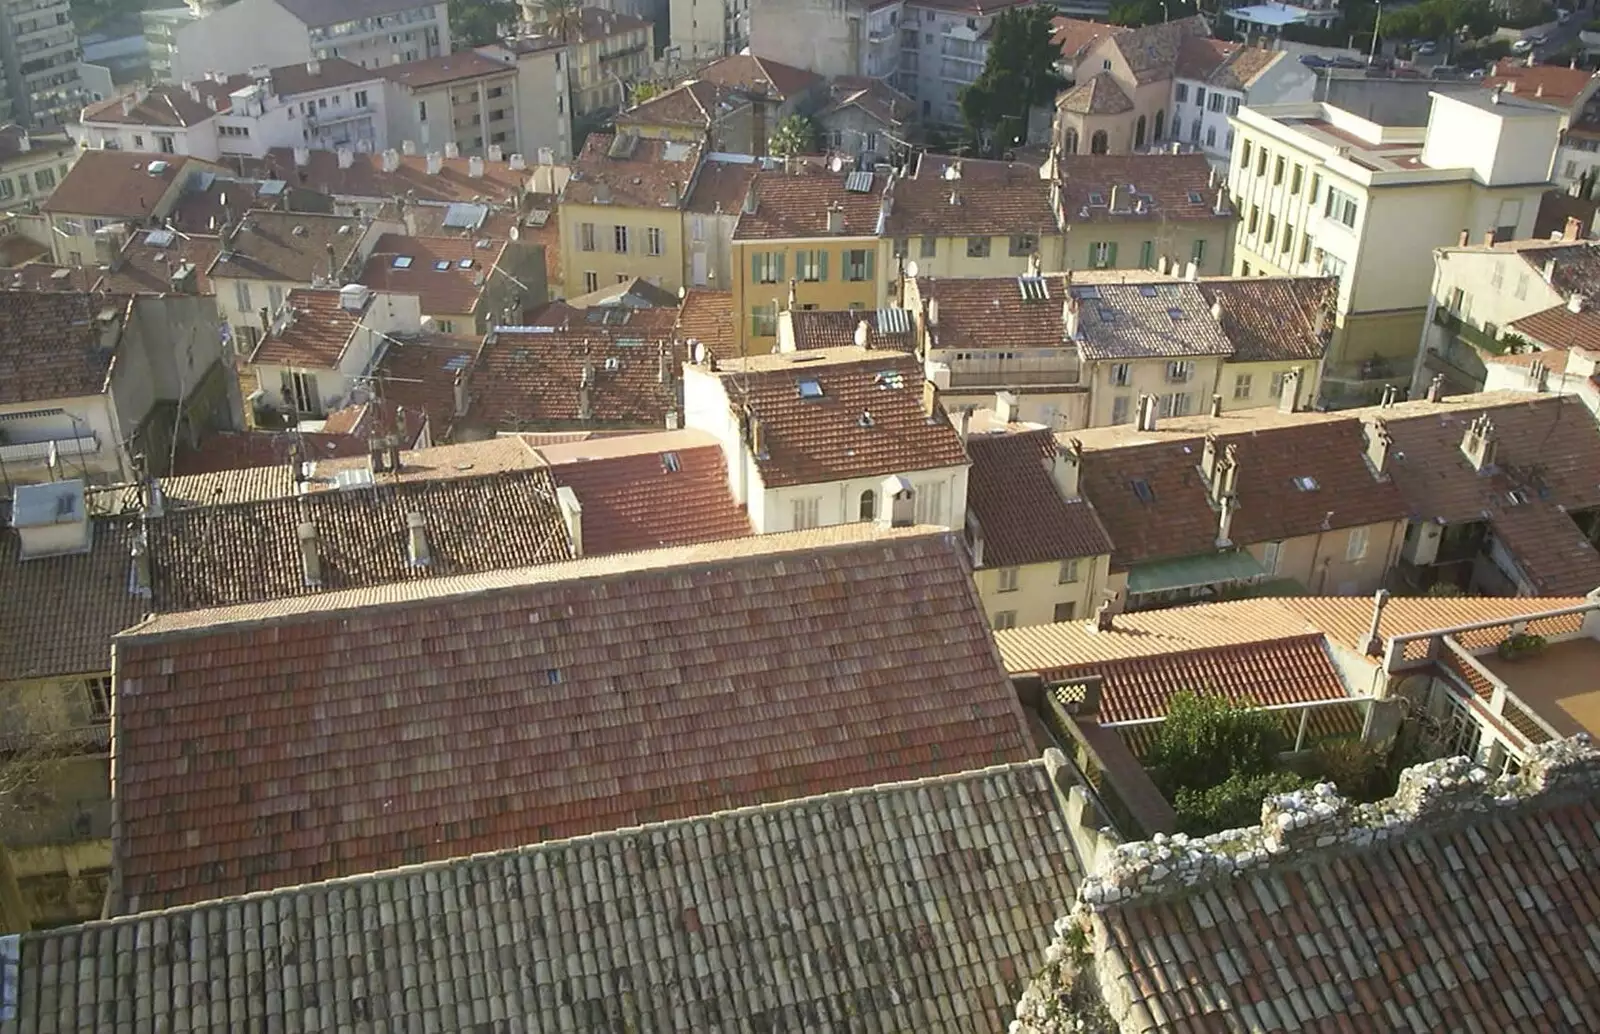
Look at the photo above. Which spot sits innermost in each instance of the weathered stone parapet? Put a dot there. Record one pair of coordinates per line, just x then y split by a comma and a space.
1446, 791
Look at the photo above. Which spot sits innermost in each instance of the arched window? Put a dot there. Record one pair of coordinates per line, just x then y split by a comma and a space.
1160, 116
1069, 142
1099, 144
869, 505
1138, 133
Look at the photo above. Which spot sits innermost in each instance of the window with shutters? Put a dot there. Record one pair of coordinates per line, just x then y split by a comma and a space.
766, 267
586, 236
806, 512
858, 263
1102, 255
811, 266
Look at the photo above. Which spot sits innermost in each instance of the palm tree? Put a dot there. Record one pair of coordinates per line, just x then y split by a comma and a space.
562, 16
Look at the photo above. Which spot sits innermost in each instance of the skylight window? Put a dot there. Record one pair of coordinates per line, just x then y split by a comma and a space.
401, 262
1306, 484
1107, 315
810, 389
1148, 290
1097, 198
1196, 198
1141, 488
889, 379
1176, 314
669, 462
465, 263
442, 266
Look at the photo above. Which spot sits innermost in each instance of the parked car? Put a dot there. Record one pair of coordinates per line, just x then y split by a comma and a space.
1523, 45
1563, 16
1428, 49
1314, 61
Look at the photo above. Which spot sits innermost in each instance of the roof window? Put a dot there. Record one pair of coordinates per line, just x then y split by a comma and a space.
1306, 484
401, 262
669, 462
810, 388
442, 266
1141, 488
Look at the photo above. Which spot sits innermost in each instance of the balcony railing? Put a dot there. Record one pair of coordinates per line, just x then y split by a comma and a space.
37, 452
999, 375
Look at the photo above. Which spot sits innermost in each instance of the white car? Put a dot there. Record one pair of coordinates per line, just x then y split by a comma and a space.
1522, 46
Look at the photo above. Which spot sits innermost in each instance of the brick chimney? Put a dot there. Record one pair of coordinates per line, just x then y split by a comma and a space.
1481, 443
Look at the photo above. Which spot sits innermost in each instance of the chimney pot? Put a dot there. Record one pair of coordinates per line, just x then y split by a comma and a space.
1436, 388
1225, 511
461, 393
1289, 400
1103, 621
1066, 468
1464, 239
1573, 230
1575, 302
1216, 406
1488, 238
930, 399
1378, 445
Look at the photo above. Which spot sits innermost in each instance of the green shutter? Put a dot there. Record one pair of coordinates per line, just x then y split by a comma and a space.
822, 264
1094, 249
1147, 254
755, 267
871, 254
1111, 256
1199, 250
777, 260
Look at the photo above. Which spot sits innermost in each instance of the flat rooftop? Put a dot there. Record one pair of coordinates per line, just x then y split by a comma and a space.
1388, 156
1561, 684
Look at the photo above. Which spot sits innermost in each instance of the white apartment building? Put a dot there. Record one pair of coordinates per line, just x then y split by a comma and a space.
251, 33
40, 83
1205, 98
322, 105
943, 48
708, 28
1323, 191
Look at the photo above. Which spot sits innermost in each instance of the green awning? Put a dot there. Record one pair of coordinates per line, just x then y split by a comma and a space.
1191, 571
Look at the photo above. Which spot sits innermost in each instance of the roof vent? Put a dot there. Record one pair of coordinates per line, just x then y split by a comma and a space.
417, 540
354, 297
51, 519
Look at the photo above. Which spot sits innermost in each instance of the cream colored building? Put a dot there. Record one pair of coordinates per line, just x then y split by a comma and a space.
1323, 191
31, 164
605, 52
622, 212
970, 218
709, 28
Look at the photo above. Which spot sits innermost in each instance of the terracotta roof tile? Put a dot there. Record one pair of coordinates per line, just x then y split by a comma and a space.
528, 379
696, 104
420, 375
632, 293
452, 291
428, 220
1552, 359
1012, 199
761, 76
1178, 519
1073, 35
994, 861
151, 259
795, 205
1170, 319
1574, 265
1201, 56
1100, 94
524, 665
1172, 187
1020, 509
1244, 66
876, 98
164, 105
644, 491
318, 335
887, 329
1274, 319
445, 68
868, 419
632, 171
1152, 51
61, 611
1558, 327
1437, 909
1552, 550
51, 345
707, 316
345, 433
117, 184
292, 247
970, 309
1556, 85
365, 178
43, 276
721, 187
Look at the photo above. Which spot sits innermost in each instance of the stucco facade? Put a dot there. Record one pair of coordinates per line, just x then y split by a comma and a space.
607, 244
1039, 594
848, 278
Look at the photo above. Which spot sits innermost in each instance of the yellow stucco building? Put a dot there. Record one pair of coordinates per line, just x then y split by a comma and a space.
622, 211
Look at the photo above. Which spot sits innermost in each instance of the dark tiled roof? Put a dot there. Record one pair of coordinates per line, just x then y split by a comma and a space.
1166, 320
1010, 200
116, 185
875, 97
1200, 56
446, 68
938, 895
644, 491
707, 316
1576, 268
653, 173
291, 247
1452, 906
317, 336
324, 74
837, 328
349, 751
972, 309
1020, 511
1274, 319
453, 291
696, 104
61, 611
345, 433
795, 205
1560, 327
759, 75
721, 187
208, 556
813, 440
1173, 187
525, 380
633, 293
366, 178
420, 374
148, 268
1152, 51
51, 345
164, 105
1100, 94
1179, 521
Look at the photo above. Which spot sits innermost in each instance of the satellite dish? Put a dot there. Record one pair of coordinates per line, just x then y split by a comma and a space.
516, 233
837, 165
683, 292
912, 269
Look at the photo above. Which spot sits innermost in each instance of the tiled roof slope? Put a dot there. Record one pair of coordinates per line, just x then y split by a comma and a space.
795, 204
116, 184
146, 267
442, 718
1559, 329
1169, 320
1152, 51
209, 556
1556, 85
317, 336
51, 345
650, 173
707, 316
1456, 905
453, 291
923, 906
837, 328
60, 612
972, 310
1019, 508
1074, 35
1100, 94
1179, 520
365, 178
1011, 200
759, 75
874, 97
290, 246
419, 373
695, 104
1274, 319
868, 420
1172, 187
1576, 267
645, 491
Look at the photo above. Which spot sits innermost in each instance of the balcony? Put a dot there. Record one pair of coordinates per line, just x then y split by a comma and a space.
333, 117
1000, 374
38, 452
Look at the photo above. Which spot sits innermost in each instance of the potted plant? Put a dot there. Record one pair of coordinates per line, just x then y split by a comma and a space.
1519, 644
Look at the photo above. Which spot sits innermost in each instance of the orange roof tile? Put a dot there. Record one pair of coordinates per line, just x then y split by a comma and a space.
864, 415
1011, 199
419, 374
365, 178
721, 187
316, 337
237, 774
632, 171
1172, 187
1020, 511
117, 184
1556, 85
707, 316
889, 329
760, 75
151, 259
794, 205
1073, 35
1559, 327
51, 345
453, 290
1274, 319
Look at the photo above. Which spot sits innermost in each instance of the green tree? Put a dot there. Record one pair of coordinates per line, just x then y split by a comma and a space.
644, 91
1231, 804
1018, 75
1207, 739
475, 22
561, 16
794, 135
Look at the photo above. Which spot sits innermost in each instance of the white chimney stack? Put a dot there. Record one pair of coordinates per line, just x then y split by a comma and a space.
435, 163
391, 160
572, 514
417, 539
302, 156
475, 168
452, 150
310, 554
346, 157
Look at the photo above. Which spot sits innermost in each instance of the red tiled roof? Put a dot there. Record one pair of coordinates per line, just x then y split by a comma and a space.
721, 187
874, 97
528, 380
868, 419
1019, 509
317, 336
291, 247
1010, 199
646, 173
164, 105
419, 374
148, 268
116, 184
51, 345
971, 310
837, 328
446, 68
795, 205
42, 276
1174, 187
1556, 85
644, 491
1291, 670
759, 75
695, 104
707, 316
1554, 552
391, 726
366, 179
1274, 319
1073, 35
452, 291
1100, 94
1560, 328
241, 450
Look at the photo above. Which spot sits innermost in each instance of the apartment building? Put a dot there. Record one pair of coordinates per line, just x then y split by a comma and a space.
31, 164
708, 28
249, 33
1213, 79
324, 105
622, 211
1570, 91
1132, 211
322, 346
605, 52
1124, 87
39, 58
710, 216
105, 189
831, 436
943, 48
1324, 191
732, 105
160, 28
808, 237
544, 95
830, 37
966, 218
467, 99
